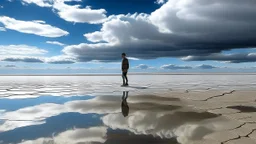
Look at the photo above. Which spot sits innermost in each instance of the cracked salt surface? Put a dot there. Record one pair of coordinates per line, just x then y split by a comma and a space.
186, 109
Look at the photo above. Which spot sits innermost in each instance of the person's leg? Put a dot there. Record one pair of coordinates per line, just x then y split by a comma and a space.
123, 78
126, 78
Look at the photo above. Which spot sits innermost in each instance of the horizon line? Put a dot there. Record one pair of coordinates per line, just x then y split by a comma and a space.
138, 73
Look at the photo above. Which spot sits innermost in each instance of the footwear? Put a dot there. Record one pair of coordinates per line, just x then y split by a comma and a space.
126, 84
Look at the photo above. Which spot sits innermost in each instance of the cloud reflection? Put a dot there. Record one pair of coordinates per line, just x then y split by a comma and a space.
148, 115
74, 136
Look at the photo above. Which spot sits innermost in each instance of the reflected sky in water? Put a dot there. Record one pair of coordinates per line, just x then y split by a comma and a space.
15, 104
105, 119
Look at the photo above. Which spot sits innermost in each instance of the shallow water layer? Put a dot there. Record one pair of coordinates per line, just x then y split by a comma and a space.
34, 110
100, 119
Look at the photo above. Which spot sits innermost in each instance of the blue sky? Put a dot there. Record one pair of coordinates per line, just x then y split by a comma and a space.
88, 36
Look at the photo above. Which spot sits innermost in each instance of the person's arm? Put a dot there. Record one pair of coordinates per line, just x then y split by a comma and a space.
122, 67
127, 64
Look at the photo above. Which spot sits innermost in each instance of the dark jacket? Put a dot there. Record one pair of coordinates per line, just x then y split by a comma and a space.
125, 64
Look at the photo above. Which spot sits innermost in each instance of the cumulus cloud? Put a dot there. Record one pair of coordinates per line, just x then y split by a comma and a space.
142, 66
60, 60
232, 58
204, 66
41, 3
23, 59
21, 50
29, 54
160, 1
117, 38
55, 43
179, 28
39, 21
175, 67
132, 58
10, 66
51, 60
32, 27
94, 37
80, 15
72, 13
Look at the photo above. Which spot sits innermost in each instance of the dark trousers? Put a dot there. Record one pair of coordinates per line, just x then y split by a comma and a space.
125, 79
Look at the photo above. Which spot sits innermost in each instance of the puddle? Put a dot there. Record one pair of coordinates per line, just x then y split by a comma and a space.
128, 118
15, 104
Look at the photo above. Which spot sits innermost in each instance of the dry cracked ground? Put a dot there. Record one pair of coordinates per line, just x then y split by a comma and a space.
192, 109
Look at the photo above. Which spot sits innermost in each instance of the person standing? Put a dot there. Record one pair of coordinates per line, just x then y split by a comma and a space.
125, 67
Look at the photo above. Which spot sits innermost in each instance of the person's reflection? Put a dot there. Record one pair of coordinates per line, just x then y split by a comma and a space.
124, 105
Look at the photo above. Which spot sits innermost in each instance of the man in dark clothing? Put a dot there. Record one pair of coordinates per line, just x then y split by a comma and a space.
125, 67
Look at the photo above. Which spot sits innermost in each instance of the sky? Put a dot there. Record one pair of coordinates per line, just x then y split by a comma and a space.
88, 36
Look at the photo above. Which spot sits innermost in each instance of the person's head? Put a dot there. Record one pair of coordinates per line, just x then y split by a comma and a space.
123, 55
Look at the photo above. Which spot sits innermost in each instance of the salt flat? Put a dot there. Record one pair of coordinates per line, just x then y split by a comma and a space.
186, 109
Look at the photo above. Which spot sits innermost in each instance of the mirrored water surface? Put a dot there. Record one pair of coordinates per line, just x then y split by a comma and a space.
108, 119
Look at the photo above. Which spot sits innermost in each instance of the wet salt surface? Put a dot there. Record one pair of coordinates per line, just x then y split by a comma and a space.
170, 109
